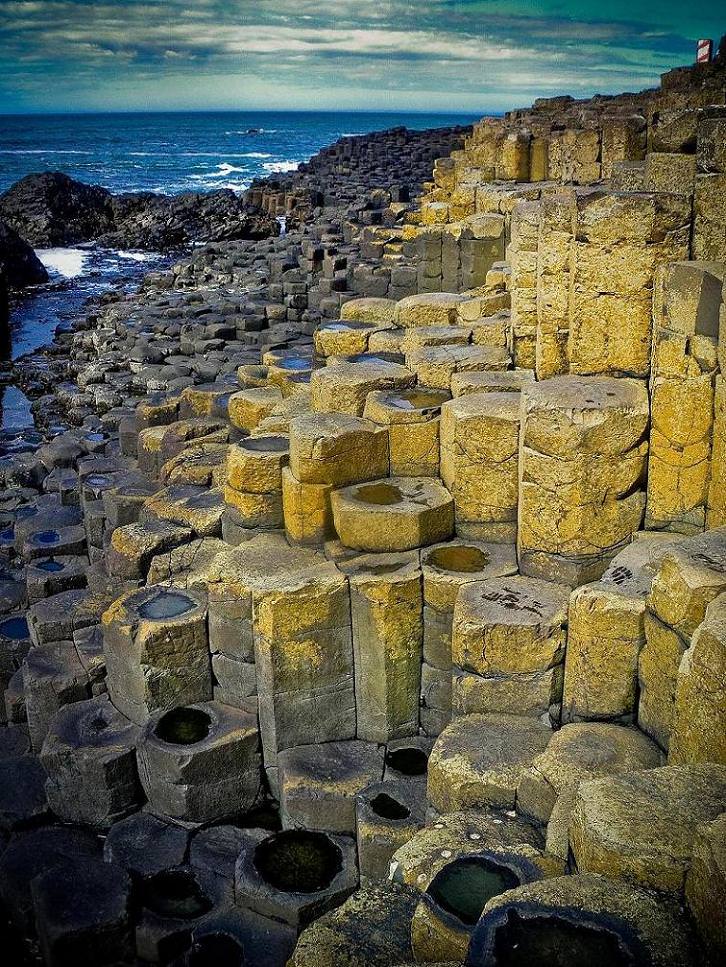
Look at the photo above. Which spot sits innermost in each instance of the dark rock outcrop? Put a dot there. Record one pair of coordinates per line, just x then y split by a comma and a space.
19, 264
152, 221
52, 209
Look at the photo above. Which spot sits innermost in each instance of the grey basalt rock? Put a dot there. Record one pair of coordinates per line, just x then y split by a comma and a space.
19, 264
31, 853
88, 925
144, 844
89, 755
200, 763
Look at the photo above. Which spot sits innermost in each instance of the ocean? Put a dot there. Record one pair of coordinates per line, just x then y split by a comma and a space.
182, 151
163, 152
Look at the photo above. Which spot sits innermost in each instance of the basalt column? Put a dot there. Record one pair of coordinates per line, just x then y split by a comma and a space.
582, 465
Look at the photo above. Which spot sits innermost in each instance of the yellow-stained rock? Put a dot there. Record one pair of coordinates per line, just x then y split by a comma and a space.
479, 463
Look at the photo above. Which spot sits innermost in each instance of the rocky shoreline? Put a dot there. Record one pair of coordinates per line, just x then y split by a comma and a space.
370, 606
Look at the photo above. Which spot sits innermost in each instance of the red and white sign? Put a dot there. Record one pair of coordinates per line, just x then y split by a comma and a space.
704, 49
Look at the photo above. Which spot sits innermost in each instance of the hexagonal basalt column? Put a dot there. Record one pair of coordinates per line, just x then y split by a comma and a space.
396, 514
436, 366
373, 926
412, 419
691, 574
428, 309
319, 783
479, 760
345, 337
483, 831
369, 310
446, 568
705, 886
699, 716
200, 763
157, 652
89, 755
304, 659
642, 825
508, 647
133, 546
575, 754
606, 633
253, 485
52, 676
386, 611
343, 388
230, 584
587, 920
480, 463
249, 407
337, 449
296, 875
170, 903
94, 915
387, 814
198, 508
582, 465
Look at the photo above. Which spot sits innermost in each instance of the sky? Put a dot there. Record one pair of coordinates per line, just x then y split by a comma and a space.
421, 55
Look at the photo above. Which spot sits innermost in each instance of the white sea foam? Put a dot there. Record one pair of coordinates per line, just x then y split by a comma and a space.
68, 262
137, 256
254, 154
281, 166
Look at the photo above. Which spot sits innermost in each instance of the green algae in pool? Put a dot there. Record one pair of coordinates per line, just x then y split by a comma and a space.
382, 493
183, 726
409, 761
215, 950
458, 557
166, 604
298, 861
387, 807
557, 942
16, 629
174, 894
465, 886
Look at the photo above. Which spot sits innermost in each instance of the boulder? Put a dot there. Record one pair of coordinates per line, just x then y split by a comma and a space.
18, 262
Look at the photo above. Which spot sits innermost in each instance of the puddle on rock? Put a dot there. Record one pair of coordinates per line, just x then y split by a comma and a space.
409, 761
183, 726
16, 629
50, 565
166, 604
463, 558
382, 494
387, 807
174, 894
269, 444
215, 950
298, 861
419, 400
557, 942
466, 885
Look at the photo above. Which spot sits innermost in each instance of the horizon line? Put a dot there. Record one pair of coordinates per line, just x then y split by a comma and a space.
247, 110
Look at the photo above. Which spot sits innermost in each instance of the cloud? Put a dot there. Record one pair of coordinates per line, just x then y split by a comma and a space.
69, 54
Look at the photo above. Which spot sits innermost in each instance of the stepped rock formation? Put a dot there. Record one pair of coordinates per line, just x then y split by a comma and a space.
372, 603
